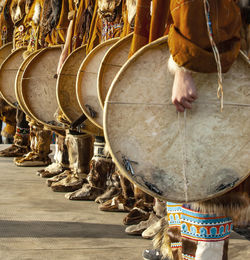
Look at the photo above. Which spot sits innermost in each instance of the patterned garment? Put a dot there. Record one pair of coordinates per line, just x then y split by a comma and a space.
111, 30
204, 227
203, 236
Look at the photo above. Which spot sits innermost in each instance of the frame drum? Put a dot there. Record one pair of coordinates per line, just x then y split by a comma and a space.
8, 72
66, 91
113, 60
179, 157
38, 88
87, 93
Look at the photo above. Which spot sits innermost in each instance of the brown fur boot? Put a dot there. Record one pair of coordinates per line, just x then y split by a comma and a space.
163, 240
142, 207
123, 202
113, 188
61, 162
19, 148
80, 152
101, 166
39, 156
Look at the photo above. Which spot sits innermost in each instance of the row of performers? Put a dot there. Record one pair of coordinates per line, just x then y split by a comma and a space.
81, 164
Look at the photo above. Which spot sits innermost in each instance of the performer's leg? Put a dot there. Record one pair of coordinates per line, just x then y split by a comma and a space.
167, 242
113, 188
153, 224
204, 236
80, 151
141, 209
123, 202
21, 138
61, 162
40, 147
101, 166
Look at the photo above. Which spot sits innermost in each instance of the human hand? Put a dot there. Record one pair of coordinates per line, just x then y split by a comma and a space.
184, 90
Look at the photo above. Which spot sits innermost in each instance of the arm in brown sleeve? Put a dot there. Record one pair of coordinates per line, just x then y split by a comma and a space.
188, 37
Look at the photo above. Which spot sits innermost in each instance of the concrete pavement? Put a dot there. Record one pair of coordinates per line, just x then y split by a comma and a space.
36, 223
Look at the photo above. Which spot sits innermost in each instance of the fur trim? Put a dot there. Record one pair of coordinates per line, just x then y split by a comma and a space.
8, 131
173, 67
231, 205
162, 241
37, 13
131, 7
243, 3
50, 17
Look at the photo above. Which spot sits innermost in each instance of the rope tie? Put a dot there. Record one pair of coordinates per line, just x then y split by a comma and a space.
220, 93
184, 152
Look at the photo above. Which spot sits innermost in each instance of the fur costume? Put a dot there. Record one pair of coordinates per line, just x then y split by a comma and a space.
6, 24
50, 18
80, 152
101, 166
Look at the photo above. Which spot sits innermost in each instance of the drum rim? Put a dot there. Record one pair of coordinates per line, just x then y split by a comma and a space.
21, 49
58, 82
78, 79
160, 41
22, 93
101, 68
8, 44
18, 84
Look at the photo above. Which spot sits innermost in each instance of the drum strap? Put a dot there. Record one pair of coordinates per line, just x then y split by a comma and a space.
78, 121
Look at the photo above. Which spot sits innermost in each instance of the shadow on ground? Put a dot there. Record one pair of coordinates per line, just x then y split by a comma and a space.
46, 229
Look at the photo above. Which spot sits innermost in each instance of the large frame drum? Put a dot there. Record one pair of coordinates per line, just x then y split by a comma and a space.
66, 91
18, 83
38, 88
179, 157
112, 62
87, 92
5, 51
8, 72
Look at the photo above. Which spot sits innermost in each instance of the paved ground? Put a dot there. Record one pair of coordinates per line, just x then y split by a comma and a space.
36, 223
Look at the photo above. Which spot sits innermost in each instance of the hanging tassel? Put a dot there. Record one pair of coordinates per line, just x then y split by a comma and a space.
215, 51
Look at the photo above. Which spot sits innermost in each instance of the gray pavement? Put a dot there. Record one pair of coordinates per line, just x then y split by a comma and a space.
36, 223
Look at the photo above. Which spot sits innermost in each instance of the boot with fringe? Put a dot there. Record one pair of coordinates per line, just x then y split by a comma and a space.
101, 166
80, 152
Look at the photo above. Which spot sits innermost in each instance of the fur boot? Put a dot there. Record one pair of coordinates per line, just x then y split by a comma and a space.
61, 162
123, 202
159, 210
142, 226
113, 188
80, 152
40, 148
21, 138
101, 166
142, 207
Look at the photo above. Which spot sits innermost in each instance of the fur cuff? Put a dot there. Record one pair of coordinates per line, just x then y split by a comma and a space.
173, 67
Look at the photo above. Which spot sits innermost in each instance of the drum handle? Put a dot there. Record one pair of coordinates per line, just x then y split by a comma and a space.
78, 121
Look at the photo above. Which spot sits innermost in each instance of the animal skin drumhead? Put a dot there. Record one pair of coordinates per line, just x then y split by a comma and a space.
113, 60
5, 51
183, 157
8, 72
87, 93
66, 85
18, 83
39, 86
66, 91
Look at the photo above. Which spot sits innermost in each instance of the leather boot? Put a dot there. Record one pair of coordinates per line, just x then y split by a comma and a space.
101, 166
80, 153
61, 162
113, 188
39, 156
123, 202
21, 138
